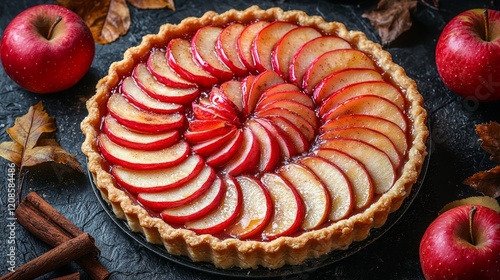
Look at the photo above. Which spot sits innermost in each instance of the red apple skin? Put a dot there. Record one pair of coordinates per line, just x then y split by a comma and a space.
44, 65
467, 63
447, 253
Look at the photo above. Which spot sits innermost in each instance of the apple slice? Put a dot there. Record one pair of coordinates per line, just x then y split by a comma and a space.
157, 180
181, 60
218, 97
256, 210
147, 82
312, 191
389, 129
244, 43
286, 48
288, 207
279, 88
306, 129
203, 48
211, 145
371, 105
141, 159
222, 216
180, 195
310, 51
207, 111
158, 66
340, 79
233, 91
139, 98
214, 128
224, 110
247, 157
331, 62
356, 173
228, 51
300, 142
220, 157
269, 147
134, 118
197, 208
259, 85
369, 136
378, 88
376, 162
136, 140
284, 142
265, 41
337, 184
297, 108
295, 96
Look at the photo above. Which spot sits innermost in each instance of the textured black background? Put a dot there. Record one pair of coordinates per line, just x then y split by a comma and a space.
455, 151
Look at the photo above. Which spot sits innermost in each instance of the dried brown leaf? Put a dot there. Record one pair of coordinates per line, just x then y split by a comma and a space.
486, 182
489, 135
152, 4
31, 145
391, 18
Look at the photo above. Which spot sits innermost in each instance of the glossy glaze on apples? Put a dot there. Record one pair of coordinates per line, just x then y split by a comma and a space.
273, 155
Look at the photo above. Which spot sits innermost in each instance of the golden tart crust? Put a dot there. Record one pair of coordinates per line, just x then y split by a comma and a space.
232, 252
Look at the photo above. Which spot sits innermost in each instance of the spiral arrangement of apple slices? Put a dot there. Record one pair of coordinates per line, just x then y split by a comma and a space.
255, 131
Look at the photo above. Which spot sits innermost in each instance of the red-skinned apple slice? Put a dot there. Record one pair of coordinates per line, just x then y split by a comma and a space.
337, 184
284, 142
203, 48
379, 88
134, 118
296, 96
371, 105
157, 180
265, 41
355, 171
384, 126
244, 43
223, 155
254, 216
247, 157
300, 142
221, 217
141, 159
180, 195
331, 62
233, 91
259, 85
197, 208
312, 191
369, 136
207, 111
147, 82
211, 145
181, 60
288, 207
227, 49
337, 80
136, 140
288, 46
269, 147
225, 111
139, 98
158, 66
310, 51
217, 96
214, 128
306, 129
376, 162
297, 108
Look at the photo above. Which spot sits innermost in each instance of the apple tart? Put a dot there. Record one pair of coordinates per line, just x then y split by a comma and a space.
255, 138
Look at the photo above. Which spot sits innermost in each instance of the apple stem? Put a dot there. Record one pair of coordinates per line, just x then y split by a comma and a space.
486, 25
472, 212
58, 19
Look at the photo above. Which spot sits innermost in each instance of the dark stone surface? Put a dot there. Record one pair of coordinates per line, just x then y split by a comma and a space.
455, 151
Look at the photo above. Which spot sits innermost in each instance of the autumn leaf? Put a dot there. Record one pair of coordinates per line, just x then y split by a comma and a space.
391, 18
110, 19
31, 144
489, 135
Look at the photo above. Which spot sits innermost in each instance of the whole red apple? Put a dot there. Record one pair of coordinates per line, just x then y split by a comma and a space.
462, 243
468, 55
47, 48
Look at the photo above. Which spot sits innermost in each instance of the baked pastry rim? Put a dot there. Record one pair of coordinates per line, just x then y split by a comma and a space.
226, 253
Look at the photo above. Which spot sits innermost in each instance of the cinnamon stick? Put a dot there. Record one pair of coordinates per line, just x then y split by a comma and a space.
50, 226
72, 276
61, 255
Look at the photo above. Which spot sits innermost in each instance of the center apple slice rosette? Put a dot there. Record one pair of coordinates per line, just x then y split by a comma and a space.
215, 140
